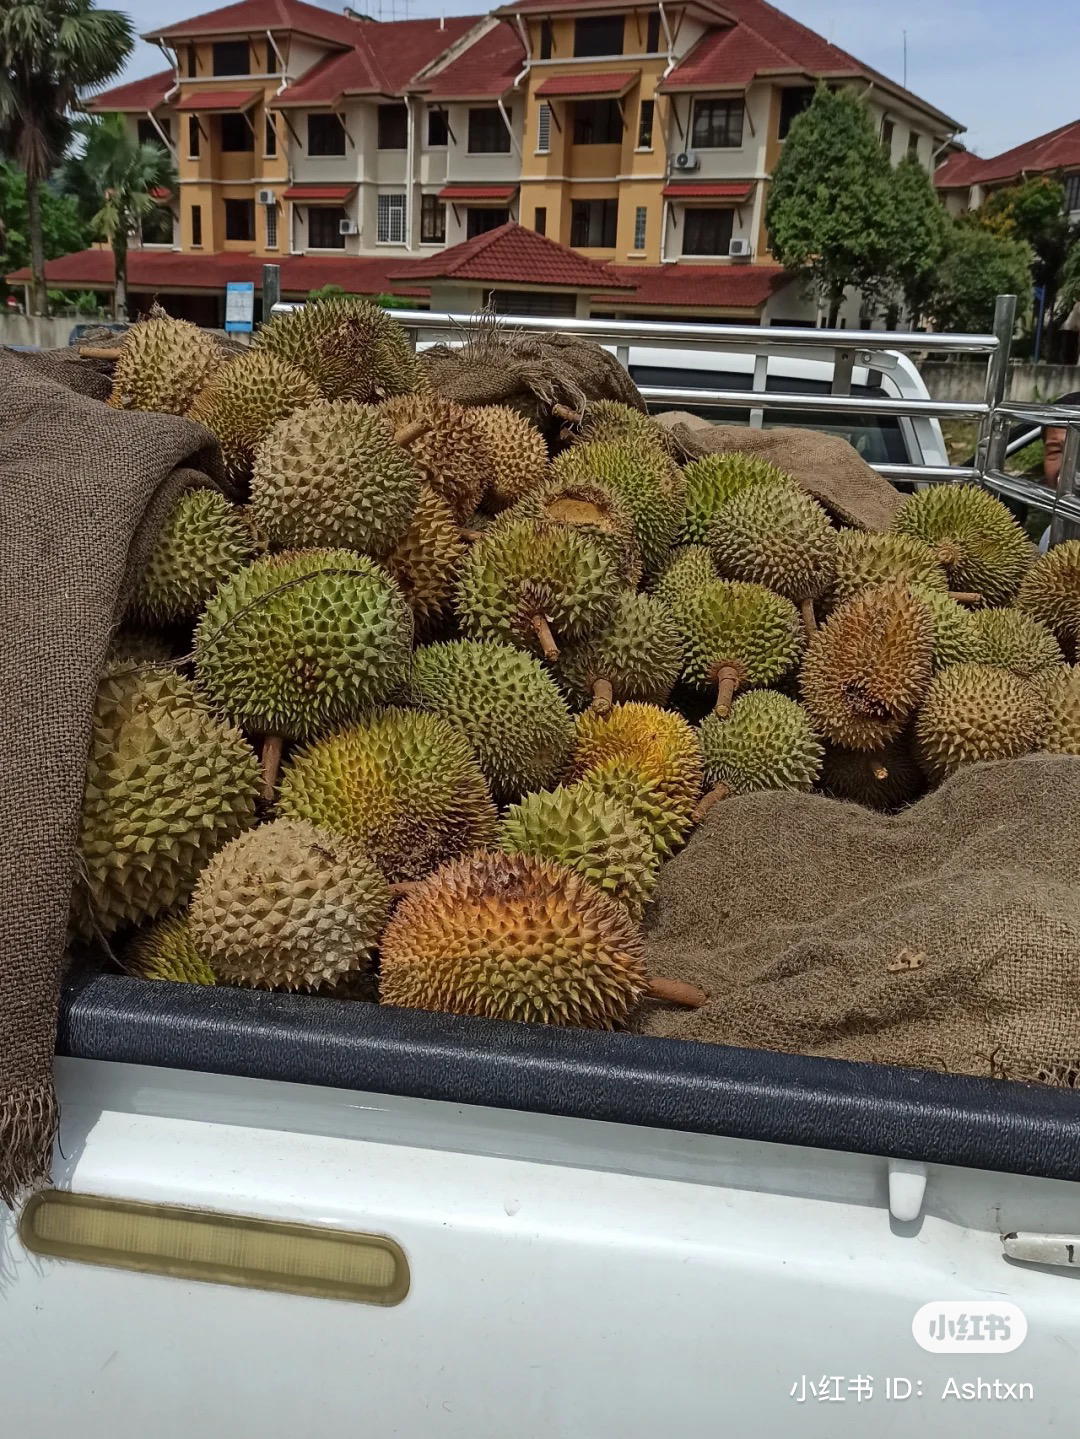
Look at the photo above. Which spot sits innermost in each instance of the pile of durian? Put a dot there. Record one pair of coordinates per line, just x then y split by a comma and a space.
421, 715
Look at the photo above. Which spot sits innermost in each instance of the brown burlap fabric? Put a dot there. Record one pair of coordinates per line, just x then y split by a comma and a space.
826, 466
946, 937
83, 490
68, 368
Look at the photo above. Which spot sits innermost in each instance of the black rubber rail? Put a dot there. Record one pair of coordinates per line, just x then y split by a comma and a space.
667, 1084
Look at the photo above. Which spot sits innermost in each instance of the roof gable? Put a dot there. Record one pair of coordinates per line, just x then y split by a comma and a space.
514, 255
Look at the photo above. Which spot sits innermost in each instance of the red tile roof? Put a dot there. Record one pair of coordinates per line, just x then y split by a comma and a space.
218, 101
959, 171
478, 192
728, 59
258, 16
612, 82
485, 70
1058, 150
384, 58
714, 287
318, 192
707, 192
136, 95
513, 255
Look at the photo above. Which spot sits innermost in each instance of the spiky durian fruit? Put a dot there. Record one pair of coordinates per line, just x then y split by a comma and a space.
533, 585
289, 906
1050, 593
977, 712
973, 536
517, 451
637, 656
595, 836
592, 508
774, 535
649, 483
688, 567
405, 785
298, 643
167, 783
884, 779
767, 742
714, 479
869, 667
425, 561
659, 743
244, 399
163, 365
200, 545
333, 476
452, 451
637, 789
735, 635
865, 559
1014, 641
513, 937
351, 348
611, 421
507, 705
1060, 689
132, 647
167, 951
956, 635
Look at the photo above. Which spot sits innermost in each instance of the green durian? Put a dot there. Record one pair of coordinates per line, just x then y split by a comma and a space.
650, 485
973, 536
166, 951
736, 635
978, 712
767, 742
864, 559
885, 779
243, 400
425, 561
637, 656
200, 545
1050, 593
774, 535
1060, 690
632, 785
351, 348
591, 508
610, 421
1016, 642
956, 635
517, 451
714, 479
163, 365
688, 567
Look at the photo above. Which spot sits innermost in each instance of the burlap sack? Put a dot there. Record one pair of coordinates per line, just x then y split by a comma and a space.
826, 466
946, 937
68, 368
83, 490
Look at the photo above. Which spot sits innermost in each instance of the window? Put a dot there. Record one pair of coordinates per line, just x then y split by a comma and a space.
547, 40
270, 138
599, 35
150, 134
432, 220
393, 127
540, 220
192, 66
196, 224
194, 135
543, 128
272, 62
240, 220
792, 103
593, 223
324, 227
718, 125
641, 215
707, 232
644, 125
1072, 193
156, 227
236, 133
652, 39
597, 122
270, 211
325, 135
232, 57
479, 222
391, 221
488, 134
888, 130
913, 146
438, 130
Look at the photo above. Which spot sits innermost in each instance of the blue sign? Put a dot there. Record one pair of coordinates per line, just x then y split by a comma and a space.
240, 305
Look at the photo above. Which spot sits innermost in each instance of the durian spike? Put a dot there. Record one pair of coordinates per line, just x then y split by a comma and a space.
603, 695
715, 795
410, 432
809, 619
403, 887
546, 638
674, 991
728, 679
271, 762
965, 597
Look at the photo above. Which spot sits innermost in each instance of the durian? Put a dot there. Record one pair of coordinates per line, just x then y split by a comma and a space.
535, 585
450, 448
1050, 593
714, 479
864, 558
1016, 642
167, 783
608, 421
767, 742
688, 567
977, 712
956, 635
517, 451
736, 635
425, 561
650, 485
638, 790
166, 951
506, 704
868, 667
332, 476
659, 743
163, 365
595, 836
352, 349
289, 906
1060, 690
884, 779
200, 545
514, 937
136, 647
244, 399
405, 785
637, 656
594, 510
775, 535
973, 536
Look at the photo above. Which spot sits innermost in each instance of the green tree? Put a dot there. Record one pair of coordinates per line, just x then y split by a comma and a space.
1070, 279
978, 265
830, 202
51, 52
325, 292
125, 179
1033, 211
920, 226
62, 229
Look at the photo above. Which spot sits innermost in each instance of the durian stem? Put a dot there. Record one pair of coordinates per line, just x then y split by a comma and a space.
271, 763
546, 638
412, 431
965, 597
674, 991
100, 352
728, 682
563, 412
809, 619
880, 772
717, 793
602, 696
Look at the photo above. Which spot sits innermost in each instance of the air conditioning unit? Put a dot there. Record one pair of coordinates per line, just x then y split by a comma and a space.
686, 160
265, 197
739, 249
348, 227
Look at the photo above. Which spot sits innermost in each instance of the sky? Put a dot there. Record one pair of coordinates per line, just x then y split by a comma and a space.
1006, 72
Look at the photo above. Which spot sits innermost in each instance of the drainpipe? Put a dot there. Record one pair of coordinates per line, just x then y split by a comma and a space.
664, 210
509, 127
410, 172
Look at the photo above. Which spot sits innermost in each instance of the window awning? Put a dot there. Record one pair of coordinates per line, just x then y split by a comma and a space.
707, 192
219, 102
593, 86
313, 193
478, 194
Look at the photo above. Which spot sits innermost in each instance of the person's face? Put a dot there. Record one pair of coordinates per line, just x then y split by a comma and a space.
1054, 446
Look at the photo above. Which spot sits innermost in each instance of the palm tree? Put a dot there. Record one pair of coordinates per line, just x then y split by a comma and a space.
123, 181
51, 52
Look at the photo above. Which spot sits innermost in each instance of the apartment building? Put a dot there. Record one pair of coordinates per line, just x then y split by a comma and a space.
964, 180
